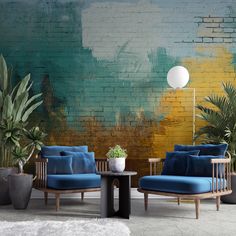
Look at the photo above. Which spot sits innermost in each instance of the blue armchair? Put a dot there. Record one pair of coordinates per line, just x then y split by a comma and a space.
190, 172
67, 169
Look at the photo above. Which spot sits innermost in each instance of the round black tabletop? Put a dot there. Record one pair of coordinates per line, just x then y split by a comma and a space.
110, 173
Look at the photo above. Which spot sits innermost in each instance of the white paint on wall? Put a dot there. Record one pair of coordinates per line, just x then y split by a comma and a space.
106, 27
145, 26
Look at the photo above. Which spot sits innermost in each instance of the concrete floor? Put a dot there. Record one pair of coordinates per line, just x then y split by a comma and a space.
164, 216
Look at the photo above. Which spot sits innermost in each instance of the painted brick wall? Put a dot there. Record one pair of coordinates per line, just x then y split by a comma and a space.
102, 67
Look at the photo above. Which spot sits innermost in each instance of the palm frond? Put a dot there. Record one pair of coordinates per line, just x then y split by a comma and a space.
220, 119
229, 89
218, 101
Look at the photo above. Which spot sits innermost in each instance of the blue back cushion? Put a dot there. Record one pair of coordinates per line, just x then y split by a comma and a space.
201, 166
205, 149
56, 150
176, 162
82, 162
59, 164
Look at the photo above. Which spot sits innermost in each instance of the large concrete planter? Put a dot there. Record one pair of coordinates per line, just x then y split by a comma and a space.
231, 198
4, 189
20, 188
117, 164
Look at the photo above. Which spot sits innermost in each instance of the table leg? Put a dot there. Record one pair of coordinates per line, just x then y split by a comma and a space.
107, 197
124, 197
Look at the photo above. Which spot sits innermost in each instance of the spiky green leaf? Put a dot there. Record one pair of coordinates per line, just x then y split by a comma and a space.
32, 99
30, 86
7, 108
3, 74
1, 99
28, 112
19, 106
23, 85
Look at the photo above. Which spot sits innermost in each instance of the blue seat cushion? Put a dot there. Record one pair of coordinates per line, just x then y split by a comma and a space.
59, 165
75, 181
205, 149
177, 184
56, 150
201, 166
176, 162
82, 162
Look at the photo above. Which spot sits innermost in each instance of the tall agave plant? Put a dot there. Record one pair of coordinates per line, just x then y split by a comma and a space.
220, 120
16, 106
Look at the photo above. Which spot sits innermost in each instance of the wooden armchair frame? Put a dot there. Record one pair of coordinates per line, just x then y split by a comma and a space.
40, 182
218, 190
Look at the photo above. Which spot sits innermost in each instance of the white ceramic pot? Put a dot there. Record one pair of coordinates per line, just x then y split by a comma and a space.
117, 164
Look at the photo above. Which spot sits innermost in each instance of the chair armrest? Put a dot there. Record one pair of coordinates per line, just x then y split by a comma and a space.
153, 164
101, 165
220, 160
153, 160
221, 178
41, 173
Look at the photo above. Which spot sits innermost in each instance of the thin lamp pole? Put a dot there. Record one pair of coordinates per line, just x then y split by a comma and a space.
194, 113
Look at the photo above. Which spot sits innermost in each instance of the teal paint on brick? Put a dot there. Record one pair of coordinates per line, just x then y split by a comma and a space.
46, 39
234, 60
87, 87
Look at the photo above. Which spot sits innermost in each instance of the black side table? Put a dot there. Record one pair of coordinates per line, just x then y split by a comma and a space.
107, 193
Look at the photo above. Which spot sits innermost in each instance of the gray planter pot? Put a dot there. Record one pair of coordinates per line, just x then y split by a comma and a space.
20, 187
4, 189
231, 198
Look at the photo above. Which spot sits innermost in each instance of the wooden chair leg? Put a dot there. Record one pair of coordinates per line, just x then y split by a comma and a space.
145, 201
179, 200
57, 195
197, 207
218, 203
82, 196
46, 198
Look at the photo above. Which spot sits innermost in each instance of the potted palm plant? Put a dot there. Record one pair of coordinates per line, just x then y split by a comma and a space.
116, 158
220, 118
15, 108
20, 185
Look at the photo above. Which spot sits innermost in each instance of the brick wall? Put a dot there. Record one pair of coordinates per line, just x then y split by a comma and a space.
217, 29
102, 67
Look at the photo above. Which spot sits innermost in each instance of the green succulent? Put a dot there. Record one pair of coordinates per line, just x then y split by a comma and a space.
11, 132
116, 152
20, 154
35, 135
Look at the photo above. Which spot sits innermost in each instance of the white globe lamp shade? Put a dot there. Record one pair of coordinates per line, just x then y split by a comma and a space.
177, 77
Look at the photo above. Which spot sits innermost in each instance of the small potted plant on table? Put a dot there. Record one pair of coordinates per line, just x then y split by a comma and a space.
116, 158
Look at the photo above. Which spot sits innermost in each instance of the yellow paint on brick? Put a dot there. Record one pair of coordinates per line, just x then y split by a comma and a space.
177, 107
213, 71
207, 75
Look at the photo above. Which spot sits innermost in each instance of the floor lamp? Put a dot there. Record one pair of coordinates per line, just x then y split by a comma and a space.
177, 78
